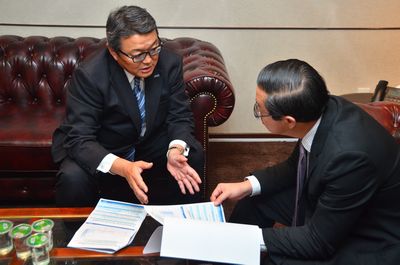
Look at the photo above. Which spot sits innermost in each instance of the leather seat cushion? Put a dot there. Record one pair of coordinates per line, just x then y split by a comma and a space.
25, 138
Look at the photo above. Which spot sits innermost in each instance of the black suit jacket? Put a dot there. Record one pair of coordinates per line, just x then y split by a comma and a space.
351, 195
102, 114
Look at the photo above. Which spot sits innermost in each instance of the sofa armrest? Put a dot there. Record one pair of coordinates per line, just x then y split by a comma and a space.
387, 114
207, 83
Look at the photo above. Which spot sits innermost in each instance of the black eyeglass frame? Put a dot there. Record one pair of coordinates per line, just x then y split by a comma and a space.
257, 112
141, 56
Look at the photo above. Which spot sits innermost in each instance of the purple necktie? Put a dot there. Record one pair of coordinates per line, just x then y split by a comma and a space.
301, 174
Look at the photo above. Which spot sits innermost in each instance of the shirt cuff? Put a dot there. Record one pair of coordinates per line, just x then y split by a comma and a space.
106, 163
263, 248
255, 185
181, 143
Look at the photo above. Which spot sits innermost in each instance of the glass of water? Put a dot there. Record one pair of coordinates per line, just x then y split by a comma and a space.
44, 226
6, 244
38, 244
19, 234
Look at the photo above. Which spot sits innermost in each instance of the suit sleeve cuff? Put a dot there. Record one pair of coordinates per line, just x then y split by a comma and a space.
255, 185
106, 163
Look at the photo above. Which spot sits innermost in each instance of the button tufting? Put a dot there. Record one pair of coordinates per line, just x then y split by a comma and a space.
24, 190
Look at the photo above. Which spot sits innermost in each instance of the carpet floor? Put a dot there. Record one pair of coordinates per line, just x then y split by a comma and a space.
232, 161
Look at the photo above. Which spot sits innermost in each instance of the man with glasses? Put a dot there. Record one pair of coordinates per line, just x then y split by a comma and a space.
336, 194
128, 131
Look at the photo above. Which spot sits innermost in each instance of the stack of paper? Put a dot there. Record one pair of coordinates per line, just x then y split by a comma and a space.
111, 226
205, 211
190, 231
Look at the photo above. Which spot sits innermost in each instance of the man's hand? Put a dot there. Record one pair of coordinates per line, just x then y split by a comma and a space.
184, 174
232, 191
131, 171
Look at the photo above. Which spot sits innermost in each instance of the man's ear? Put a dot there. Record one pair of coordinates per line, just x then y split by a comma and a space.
113, 53
290, 121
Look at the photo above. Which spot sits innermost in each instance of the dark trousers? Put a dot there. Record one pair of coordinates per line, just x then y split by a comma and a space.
76, 187
265, 211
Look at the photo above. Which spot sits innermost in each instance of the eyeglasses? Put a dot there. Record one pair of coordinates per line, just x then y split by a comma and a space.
257, 112
141, 56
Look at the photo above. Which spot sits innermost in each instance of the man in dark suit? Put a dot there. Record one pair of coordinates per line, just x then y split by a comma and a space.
341, 205
128, 131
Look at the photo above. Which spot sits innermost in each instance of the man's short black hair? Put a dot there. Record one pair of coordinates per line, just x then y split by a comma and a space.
127, 21
294, 88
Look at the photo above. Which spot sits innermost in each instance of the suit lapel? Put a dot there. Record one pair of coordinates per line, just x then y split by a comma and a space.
325, 126
120, 84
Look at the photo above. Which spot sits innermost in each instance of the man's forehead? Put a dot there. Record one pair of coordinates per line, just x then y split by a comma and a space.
139, 42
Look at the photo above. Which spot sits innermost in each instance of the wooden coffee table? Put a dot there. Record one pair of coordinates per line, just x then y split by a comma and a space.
66, 222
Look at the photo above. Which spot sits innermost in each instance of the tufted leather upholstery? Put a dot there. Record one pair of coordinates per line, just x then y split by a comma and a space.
34, 74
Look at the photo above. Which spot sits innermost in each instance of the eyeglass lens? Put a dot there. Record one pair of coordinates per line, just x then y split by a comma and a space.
141, 56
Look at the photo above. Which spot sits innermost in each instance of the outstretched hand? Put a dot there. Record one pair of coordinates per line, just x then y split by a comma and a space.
131, 171
232, 191
184, 174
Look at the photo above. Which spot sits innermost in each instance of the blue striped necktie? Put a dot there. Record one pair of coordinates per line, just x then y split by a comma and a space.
140, 97
139, 93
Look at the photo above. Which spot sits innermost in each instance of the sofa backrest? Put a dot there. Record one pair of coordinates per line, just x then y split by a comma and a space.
36, 70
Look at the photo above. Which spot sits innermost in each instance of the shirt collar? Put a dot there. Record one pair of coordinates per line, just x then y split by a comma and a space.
129, 76
130, 79
307, 140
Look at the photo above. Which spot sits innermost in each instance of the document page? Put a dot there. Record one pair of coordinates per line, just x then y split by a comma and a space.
111, 226
205, 211
210, 241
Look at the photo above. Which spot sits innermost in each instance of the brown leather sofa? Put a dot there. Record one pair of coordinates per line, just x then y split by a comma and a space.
387, 114
34, 74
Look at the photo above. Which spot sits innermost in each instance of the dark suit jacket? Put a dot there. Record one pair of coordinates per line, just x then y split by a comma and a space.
102, 114
351, 195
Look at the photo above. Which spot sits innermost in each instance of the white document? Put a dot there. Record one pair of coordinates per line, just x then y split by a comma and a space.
154, 243
205, 211
111, 226
208, 241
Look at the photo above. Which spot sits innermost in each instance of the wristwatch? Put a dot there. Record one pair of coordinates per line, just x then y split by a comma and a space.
180, 148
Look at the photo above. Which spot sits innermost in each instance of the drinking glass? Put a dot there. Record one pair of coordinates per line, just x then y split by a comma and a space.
6, 244
19, 234
38, 244
44, 226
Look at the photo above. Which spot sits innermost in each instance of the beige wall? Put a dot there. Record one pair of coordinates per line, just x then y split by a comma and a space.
353, 44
